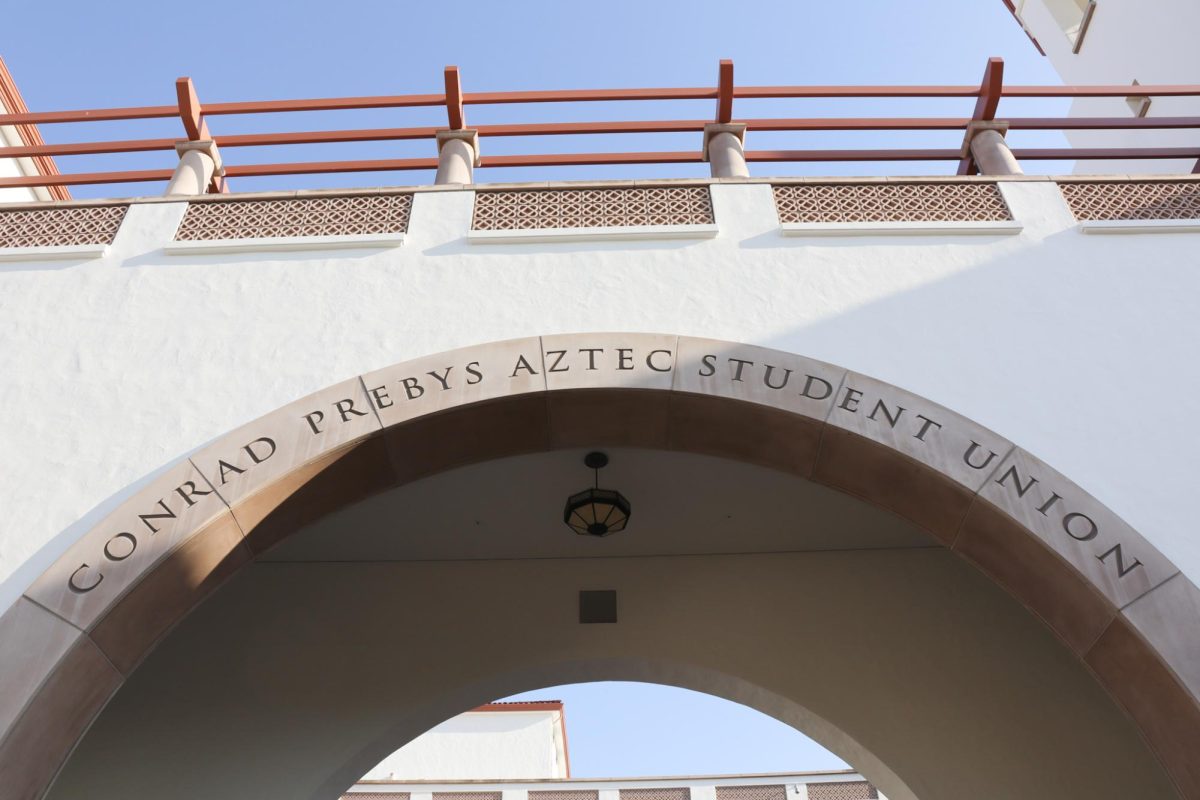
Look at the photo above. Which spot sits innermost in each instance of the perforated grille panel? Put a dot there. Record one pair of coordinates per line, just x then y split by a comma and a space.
58, 227
565, 794
1131, 200
890, 202
466, 795
302, 216
681, 793
777, 792
849, 790
592, 208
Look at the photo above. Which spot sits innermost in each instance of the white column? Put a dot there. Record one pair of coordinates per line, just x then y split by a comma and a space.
991, 153
198, 163
458, 155
723, 150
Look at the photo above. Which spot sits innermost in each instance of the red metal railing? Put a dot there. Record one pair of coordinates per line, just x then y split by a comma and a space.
988, 94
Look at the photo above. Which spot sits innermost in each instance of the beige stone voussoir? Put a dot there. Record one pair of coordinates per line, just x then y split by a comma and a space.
134, 624
258, 454
609, 361
1114, 557
56, 716
444, 381
1152, 693
757, 375
110, 559
1168, 617
911, 456
608, 417
34, 641
1046, 584
948, 443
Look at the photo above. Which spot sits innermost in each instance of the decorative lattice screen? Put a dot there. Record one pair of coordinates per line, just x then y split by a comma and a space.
592, 208
891, 202
849, 790
346, 215
1131, 200
58, 227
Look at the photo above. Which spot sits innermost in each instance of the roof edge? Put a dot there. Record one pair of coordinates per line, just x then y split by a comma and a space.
14, 103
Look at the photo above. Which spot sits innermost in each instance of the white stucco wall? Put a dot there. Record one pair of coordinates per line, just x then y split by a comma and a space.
1078, 347
1127, 40
486, 745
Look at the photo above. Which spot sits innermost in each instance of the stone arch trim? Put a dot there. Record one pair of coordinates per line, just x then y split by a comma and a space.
86, 623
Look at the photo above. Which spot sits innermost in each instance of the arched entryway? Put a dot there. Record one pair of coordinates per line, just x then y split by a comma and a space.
990, 511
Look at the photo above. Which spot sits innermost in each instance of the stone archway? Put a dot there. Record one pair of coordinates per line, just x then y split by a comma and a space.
1111, 597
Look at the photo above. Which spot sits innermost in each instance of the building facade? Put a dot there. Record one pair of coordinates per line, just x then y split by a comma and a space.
285, 473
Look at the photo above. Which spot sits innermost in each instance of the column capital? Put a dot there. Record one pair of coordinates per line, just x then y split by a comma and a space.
468, 135
206, 146
737, 129
978, 126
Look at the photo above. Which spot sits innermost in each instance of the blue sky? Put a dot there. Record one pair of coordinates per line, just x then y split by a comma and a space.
638, 729
87, 54
78, 54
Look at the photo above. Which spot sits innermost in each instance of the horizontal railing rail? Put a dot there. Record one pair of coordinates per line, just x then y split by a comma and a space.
988, 95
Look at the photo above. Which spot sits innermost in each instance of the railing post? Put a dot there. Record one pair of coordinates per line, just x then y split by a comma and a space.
198, 167
458, 147
724, 139
990, 90
199, 170
458, 155
723, 149
988, 151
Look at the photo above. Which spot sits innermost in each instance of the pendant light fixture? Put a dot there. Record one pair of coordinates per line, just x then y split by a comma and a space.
597, 512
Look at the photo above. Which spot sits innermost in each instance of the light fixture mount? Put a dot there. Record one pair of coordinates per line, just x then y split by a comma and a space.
597, 512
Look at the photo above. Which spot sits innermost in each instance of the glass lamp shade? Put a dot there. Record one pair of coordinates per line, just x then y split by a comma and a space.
597, 512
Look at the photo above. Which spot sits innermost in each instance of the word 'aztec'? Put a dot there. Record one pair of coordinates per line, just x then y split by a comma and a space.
831, 393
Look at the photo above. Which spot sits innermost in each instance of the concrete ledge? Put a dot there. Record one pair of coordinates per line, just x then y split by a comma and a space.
898, 228
283, 244
625, 232
1140, 226
66, 252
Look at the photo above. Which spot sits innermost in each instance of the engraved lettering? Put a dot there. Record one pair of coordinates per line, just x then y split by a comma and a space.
741, 364
591, 351
650, 360
768, 369
920, 435
809, 380
255, 457
1122, 570
187, 490
852, 396
443, 379
380, 397
77, 587
522, 364
167, 513
116, 554
1012, 471
975, 446
412, 388
1044, 507
1090, 531
225, 468
346, 407
879, 406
